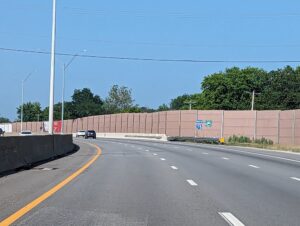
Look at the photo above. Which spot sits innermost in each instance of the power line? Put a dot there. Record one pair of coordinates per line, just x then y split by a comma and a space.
176, 14
148, 59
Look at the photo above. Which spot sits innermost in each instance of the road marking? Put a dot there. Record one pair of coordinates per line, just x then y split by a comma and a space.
295, 178
174, 167
225, 158
253, 166
189, 149
154, 154
162, 159
21, 212
204, 153
253, 153
231, 219
191, 182
146, 150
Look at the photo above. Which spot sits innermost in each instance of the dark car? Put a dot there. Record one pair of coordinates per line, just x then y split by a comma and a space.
2, 132
90, 133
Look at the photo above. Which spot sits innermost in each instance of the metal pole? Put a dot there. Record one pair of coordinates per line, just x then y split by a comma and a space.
22, 105
253, 95
294, 126
255, 125
52, 70
63, 100
222, 125
278, 127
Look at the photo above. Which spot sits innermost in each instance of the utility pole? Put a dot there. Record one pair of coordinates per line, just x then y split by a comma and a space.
190, 103
252, 98
252, 103
52, 70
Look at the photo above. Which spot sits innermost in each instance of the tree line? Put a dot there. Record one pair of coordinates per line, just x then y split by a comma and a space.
227, 90
232, 90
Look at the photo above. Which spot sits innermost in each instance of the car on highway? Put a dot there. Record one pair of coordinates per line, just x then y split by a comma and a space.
80, 133
25, 133
90, 133
2, 132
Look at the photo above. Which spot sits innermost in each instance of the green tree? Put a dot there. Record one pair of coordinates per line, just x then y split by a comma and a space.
180, 102
231, 90
85, 103
119, 99
281, 91
31, 111
68, 109
4, 120
163, 107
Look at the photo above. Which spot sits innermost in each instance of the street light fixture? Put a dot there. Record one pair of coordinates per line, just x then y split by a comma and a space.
22, 104
65, 66
190, 103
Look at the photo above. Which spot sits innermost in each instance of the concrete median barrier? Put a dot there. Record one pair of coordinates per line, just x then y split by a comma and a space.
17, 152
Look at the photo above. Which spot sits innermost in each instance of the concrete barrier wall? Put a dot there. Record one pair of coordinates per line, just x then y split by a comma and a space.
280, 126
16, 152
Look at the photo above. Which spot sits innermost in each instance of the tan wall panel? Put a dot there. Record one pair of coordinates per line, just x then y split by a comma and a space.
162, 122
136, 122
155, 122
130, 123
173, 123
124, 122
143, 122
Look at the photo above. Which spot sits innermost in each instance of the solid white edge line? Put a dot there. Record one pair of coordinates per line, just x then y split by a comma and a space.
254, 153
192, 183
174, 167
253, 166
295, 178
231, 219
162, 159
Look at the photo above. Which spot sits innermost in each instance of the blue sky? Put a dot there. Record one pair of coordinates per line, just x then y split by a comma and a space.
195, 29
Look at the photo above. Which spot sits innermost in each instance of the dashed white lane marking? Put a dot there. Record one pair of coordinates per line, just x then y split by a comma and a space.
191, 182
174, 167
253, 166
154, 154
295, 178
146, 150
225, 158
231, 219
254, 153
204, 153
162, 159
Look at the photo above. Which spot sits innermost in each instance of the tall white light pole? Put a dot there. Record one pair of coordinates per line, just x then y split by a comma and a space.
52, 70
22, 104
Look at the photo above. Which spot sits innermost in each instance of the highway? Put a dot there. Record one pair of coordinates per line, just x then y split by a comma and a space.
135, 182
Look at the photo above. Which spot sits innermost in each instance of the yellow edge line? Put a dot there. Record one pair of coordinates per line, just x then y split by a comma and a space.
12, 218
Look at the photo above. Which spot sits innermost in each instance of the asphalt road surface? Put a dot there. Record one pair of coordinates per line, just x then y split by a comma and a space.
137, 183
